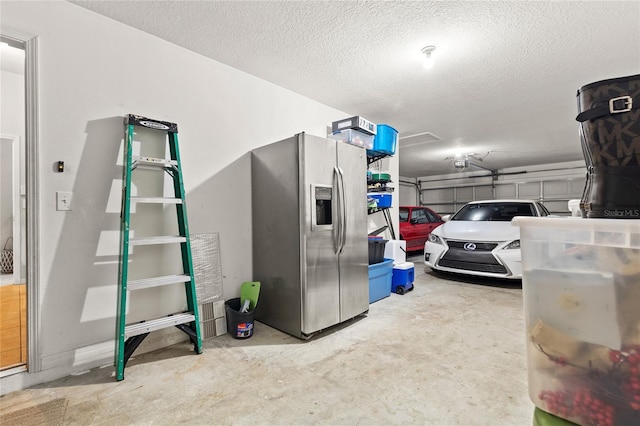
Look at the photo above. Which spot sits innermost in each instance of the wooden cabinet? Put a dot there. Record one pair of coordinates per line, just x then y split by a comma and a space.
13, 325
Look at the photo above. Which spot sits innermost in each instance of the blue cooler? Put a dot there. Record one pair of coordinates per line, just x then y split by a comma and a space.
402, 278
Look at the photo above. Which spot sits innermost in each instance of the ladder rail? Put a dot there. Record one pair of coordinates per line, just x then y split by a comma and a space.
124, 252
185, 247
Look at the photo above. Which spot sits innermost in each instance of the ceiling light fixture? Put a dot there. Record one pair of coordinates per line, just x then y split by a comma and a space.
427, 61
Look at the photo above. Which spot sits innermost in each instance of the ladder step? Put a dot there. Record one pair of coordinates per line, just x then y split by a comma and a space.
157, 281
157, 240
157, 324
152, 163
157, 200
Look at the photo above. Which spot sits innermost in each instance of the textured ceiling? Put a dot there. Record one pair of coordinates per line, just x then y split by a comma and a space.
503, 86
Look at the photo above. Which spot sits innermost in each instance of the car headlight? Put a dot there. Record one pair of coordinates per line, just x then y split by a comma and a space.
515, 244
435, 239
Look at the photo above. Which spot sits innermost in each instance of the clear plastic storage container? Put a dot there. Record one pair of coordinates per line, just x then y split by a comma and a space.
354, 137
581, 288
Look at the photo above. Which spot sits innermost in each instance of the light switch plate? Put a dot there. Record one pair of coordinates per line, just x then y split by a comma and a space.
63, 200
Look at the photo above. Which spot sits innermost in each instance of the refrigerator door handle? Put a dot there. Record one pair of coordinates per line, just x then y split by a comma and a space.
337, 231
343, 212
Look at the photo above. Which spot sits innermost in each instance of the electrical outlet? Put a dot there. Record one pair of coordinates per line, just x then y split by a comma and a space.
63, 200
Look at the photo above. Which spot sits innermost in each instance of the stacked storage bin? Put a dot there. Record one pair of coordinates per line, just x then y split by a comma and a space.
379, 197
379, 182
380, 270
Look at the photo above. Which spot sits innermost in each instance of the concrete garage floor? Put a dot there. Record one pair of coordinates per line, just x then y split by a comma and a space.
451, 352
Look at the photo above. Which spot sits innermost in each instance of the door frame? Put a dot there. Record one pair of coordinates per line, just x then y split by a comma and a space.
32, 196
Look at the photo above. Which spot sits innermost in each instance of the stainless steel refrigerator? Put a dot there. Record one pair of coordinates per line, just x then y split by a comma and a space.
310, 246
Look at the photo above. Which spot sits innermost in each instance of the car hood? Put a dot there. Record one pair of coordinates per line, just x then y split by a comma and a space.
478, 231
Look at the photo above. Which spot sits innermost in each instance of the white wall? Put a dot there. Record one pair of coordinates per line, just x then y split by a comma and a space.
12, 102
93, 71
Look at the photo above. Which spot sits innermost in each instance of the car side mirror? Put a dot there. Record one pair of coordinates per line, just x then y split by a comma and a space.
446, 218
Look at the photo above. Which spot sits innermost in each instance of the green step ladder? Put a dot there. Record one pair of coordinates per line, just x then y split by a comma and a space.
129, 336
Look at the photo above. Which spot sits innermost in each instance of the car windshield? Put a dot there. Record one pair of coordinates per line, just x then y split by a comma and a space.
503, 212
404, 215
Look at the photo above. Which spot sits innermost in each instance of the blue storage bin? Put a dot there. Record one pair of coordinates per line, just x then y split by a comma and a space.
385, 141
383, 198
380, 276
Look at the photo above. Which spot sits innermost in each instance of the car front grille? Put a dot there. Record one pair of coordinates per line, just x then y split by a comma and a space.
470, 266
476, 260
479, 246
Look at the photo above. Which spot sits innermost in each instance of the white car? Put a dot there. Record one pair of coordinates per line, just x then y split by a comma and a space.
480, 240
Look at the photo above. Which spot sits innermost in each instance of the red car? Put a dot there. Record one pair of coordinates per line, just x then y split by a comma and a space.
416, 223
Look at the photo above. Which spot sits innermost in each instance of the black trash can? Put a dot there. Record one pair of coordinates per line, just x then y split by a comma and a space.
239, 324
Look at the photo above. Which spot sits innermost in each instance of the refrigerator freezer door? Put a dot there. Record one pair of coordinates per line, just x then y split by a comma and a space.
276, 234
354, 257
320, 278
